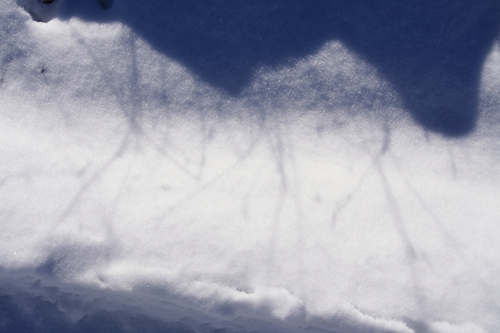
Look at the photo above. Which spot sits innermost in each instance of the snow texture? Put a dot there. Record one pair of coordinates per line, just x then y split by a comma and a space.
257, 166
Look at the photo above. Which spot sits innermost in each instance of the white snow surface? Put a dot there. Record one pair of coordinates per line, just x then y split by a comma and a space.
130, 188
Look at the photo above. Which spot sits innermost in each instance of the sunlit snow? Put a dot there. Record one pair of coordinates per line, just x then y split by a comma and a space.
134, 193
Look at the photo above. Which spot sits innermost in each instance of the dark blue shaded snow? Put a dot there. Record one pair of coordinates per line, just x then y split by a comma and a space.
431, 52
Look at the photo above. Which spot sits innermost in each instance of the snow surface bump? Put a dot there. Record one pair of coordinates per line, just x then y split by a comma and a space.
311, 200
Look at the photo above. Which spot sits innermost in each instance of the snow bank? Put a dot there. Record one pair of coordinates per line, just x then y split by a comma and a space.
136, 196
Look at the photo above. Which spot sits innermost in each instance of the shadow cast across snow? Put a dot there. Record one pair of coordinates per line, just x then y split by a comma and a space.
431, 52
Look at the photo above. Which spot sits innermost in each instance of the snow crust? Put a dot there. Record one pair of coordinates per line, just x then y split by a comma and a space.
134, 195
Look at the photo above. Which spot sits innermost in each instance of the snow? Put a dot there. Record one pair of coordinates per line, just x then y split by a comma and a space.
144, 186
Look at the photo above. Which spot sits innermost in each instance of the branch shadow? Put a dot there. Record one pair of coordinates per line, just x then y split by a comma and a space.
431, 52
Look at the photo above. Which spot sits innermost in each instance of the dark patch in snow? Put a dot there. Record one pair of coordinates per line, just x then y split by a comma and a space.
106, 4
39, 10
45, 10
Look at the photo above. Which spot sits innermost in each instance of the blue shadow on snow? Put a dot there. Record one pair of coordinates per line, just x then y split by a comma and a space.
432, 52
